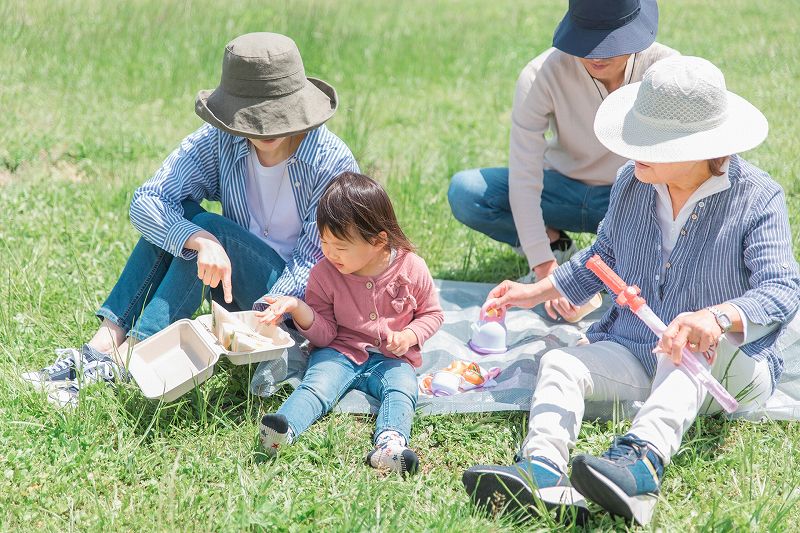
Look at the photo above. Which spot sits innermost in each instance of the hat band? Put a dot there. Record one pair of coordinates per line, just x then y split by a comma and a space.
595, 24
263, 88
689, 127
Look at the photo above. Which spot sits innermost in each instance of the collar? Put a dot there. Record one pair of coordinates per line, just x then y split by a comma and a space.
712, 185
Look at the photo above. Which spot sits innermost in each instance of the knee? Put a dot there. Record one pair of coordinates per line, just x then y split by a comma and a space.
403, 380
211, 222
462, 195
560, 362
323, 395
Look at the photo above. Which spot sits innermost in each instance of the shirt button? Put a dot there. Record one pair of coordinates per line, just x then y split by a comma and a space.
296, 183
668, 265
701, 204
373, 316
377, 342
683, 232
369, 285
658, 277
694, 216
785, 265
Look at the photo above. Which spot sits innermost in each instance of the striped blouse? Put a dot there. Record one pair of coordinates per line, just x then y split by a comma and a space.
211, 164
737, 248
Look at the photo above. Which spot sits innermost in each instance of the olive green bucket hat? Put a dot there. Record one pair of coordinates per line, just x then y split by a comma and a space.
264, 92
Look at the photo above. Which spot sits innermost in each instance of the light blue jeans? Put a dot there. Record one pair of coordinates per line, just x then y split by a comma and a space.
330, 375
155, 288
479, 200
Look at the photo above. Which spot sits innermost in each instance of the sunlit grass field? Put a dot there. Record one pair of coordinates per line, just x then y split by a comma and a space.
93, 95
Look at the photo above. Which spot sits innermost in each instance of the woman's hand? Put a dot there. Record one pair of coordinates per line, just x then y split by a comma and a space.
213, 264
698, 331
510, 293
277, 307
558, 305
398, 342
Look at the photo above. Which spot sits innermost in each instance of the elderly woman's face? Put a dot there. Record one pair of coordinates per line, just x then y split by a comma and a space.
668, 173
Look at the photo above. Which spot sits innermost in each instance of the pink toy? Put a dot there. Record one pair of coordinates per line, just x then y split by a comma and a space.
489, 333
629, 295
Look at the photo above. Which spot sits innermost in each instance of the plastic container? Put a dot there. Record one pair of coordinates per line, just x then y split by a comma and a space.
489, 333
175, 360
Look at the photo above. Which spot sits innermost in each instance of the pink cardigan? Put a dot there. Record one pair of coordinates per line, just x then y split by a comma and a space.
353, 313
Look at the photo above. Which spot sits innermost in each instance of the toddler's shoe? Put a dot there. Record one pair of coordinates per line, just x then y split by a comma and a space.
527, 487
391, 453
625, 481
274, 433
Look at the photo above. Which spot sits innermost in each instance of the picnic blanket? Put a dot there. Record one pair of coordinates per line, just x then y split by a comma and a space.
530, 334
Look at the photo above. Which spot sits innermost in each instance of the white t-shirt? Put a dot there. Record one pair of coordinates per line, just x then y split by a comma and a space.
270, 200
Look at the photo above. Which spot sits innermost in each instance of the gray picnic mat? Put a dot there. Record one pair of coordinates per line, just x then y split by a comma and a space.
530, 335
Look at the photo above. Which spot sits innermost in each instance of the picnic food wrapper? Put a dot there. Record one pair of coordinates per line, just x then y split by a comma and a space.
236, 336
458, 377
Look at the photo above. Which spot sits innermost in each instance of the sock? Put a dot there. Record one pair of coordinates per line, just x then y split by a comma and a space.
274, 433
391, 453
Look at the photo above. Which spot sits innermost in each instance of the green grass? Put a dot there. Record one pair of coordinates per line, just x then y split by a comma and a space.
95, 94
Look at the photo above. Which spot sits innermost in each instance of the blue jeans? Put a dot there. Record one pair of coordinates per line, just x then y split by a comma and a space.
155, 288
479, 200
330, 375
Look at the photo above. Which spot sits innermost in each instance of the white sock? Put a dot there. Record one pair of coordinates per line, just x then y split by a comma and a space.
274, 433
391, 453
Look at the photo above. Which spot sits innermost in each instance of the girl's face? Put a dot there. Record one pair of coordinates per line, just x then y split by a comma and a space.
353, 255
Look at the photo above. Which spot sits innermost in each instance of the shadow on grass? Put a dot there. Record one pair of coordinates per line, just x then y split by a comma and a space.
222, 401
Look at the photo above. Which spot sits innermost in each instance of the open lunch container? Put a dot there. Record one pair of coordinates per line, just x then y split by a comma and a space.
178, 358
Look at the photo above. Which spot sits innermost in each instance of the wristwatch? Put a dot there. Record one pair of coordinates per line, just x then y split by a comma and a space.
723, 320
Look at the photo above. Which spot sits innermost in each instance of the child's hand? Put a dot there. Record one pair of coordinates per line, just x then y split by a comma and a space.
398, 342
277, 307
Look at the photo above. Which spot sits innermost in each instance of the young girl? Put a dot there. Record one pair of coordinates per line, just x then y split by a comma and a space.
370, 305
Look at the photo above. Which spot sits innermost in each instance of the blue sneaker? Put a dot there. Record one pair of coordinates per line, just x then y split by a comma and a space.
528, 487
64, 371
625, 481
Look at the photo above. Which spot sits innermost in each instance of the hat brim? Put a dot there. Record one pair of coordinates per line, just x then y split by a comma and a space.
259, 118
633, 37
619, 130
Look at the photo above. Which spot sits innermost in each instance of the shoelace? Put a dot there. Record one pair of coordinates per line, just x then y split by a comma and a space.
626, 447
97, 370
65, 358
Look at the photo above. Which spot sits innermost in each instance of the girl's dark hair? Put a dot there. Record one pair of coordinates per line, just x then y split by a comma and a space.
356, 203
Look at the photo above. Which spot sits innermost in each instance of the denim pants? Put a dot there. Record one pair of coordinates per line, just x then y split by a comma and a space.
479, 200
155, 288
330, 375
607, 371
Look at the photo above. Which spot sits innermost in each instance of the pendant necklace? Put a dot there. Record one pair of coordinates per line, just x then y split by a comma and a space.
266, 227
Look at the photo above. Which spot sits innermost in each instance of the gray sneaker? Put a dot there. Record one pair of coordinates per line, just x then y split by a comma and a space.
64, 371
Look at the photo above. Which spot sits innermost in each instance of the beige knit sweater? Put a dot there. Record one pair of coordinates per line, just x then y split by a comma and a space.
554, 92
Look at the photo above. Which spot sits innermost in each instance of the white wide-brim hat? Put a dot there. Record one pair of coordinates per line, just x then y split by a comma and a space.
680, 111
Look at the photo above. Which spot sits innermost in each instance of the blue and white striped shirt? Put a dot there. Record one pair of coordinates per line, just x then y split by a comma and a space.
737, 248
212, 164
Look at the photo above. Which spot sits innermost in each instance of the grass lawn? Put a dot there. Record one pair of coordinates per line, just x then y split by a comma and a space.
95, 94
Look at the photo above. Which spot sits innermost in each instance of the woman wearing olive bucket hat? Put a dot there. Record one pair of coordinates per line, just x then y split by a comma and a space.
561, 181
267, 157
705, 235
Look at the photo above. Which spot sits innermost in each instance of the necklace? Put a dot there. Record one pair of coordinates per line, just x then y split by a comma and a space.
630, 77
265, 227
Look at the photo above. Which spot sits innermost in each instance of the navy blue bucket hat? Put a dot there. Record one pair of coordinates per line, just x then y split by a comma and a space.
607, 28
